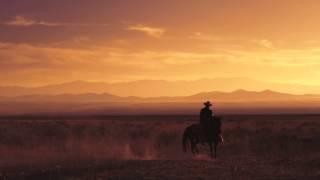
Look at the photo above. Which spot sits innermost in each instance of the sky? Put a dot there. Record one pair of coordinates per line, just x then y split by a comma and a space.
48, 42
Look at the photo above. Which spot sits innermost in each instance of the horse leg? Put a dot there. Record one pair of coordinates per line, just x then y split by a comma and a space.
211, 149
215, 149
196, 148
192, 147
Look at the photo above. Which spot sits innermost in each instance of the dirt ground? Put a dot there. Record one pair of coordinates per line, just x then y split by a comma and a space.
149, 147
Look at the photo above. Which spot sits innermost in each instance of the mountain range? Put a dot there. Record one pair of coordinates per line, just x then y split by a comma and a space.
159, 97
216, 96
157, 88
239, 101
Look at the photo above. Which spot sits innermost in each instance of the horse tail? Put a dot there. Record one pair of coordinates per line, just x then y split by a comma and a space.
184, 140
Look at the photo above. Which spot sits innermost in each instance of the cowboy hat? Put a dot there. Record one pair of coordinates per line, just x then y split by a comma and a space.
208, 103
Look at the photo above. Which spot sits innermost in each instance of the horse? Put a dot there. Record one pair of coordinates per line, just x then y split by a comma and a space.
196, 134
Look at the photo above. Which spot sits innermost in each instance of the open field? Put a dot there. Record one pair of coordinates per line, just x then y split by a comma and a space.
149, 147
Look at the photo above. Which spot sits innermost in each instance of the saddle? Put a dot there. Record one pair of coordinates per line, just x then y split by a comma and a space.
205, 133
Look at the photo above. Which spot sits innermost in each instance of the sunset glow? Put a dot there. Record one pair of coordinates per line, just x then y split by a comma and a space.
49, 42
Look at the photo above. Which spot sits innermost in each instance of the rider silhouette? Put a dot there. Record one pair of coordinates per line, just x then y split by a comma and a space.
206, 118
206, 114
210, 126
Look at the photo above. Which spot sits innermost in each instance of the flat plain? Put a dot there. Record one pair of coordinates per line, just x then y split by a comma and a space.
150, 147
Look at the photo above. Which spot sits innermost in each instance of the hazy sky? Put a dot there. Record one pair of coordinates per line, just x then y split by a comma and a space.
54, 41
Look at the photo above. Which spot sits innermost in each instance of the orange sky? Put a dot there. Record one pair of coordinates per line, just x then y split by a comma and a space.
45, 42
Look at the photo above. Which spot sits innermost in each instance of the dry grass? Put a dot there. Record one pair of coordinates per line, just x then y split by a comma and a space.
256, 147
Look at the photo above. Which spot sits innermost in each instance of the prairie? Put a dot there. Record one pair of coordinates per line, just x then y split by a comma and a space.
149, 147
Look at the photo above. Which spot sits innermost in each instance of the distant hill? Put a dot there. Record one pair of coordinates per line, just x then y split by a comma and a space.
243, 95
156, 88
239, 101
215, 96
88, 97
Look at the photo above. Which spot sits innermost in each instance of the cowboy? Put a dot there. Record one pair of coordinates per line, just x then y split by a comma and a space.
206, 114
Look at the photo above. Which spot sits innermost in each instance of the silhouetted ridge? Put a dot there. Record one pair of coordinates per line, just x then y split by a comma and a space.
160, 87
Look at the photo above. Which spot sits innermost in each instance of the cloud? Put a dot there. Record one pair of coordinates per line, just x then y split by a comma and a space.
151, 31
24, 22
265, 43
36, 63
204, 37
28, 57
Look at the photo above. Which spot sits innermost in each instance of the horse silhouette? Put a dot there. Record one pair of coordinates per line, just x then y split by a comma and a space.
197, 134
